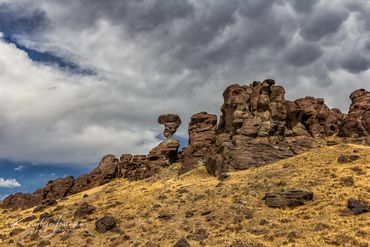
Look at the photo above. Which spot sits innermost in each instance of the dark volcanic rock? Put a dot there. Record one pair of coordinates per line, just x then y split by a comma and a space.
258, 126
171, 122
318, 118
165, 153
347, 158
107, 223
59, 188
44, 243
107, 170
83, 210
358, 206
357, 122
202, 131
182, 243
285, 199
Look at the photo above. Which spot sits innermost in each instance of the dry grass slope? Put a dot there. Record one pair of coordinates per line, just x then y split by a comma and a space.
207, 212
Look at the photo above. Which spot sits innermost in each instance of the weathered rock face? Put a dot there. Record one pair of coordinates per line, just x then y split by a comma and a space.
165, 153
171, 122
258, 126
202, 131
59, 188
357, 122
107, 170
317, 118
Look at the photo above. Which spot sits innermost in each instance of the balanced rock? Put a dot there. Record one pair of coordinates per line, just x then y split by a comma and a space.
171, 122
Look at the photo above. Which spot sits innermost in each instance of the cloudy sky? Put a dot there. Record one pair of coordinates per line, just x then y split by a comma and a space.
79, 79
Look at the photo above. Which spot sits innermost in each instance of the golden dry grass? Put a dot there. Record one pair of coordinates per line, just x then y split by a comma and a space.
228, 213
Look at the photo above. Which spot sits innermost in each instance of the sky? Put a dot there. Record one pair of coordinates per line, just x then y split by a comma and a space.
80, 79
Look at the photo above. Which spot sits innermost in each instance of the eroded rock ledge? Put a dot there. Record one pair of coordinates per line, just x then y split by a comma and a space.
257, 126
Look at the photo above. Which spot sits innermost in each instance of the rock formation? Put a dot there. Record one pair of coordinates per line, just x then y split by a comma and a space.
202, 131
257, 126
171, 122
357, 123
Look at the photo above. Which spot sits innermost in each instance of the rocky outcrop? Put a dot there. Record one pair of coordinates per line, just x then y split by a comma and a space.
316, 118
258, 126
357, 122
202, 131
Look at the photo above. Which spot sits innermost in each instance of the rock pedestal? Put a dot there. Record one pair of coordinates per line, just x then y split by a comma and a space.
202, 131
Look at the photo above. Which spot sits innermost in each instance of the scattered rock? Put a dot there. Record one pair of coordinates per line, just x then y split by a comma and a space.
28, 218
343, 159
358, 206
164, 216
332, 143
16, 231
285, 199
182, 243
200, 235
44, 243
83, 210
107, 223
189, 214
347, 181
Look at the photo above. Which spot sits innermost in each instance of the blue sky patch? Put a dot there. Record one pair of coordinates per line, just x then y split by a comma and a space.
34, 176
14, 22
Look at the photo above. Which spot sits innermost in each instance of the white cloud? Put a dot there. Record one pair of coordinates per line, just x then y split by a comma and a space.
19, 168
9, 183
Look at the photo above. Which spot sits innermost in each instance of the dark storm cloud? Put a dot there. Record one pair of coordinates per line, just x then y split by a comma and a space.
138, 16
355, 63
303, 6
303, 54
322, 23
155, 56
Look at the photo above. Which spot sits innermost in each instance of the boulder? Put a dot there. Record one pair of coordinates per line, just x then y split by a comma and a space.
343, 159
291, 198
358, 206
105, 224
182, 243
83, 210
171, 122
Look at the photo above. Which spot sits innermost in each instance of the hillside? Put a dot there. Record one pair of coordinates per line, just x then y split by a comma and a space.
161, 210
